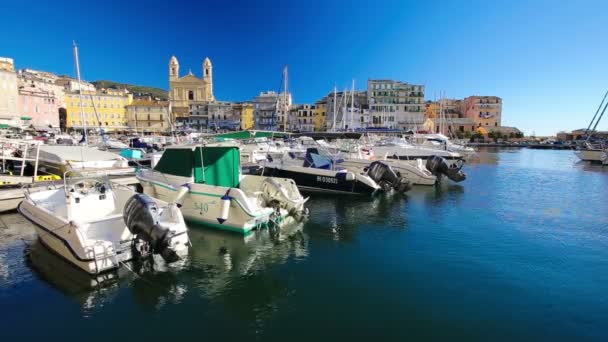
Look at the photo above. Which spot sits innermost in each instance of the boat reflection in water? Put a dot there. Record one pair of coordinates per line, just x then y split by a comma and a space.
340, 220
224, 256
90, 292
220, 267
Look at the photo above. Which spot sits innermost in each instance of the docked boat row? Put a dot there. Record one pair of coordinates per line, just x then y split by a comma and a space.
97, 223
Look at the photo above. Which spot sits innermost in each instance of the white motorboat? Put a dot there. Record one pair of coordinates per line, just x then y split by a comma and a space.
207, 182
110, 144
441, 142
257, 149
59, 159
400, 149
356, 157
97, 226
416, 174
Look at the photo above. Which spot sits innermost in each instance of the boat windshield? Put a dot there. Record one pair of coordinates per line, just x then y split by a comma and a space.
74, 180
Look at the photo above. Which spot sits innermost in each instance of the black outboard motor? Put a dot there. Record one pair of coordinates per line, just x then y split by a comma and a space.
438, 166
141, 216
387, 178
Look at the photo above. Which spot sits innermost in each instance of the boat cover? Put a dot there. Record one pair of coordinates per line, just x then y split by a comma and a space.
60, 154
221, 164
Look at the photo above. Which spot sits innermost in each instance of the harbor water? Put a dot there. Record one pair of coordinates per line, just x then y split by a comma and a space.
518, 251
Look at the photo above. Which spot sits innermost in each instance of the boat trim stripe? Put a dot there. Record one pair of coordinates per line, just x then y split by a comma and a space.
321, 190
168, 187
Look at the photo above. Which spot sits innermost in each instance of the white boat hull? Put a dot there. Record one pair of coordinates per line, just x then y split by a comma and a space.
410, 171
598, 156
412, 154
202, 204
63, 239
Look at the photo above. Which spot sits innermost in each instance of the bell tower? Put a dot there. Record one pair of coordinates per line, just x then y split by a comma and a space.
208, 80
173, 69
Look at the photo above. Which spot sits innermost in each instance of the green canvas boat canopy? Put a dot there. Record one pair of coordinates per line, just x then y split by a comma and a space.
214, 165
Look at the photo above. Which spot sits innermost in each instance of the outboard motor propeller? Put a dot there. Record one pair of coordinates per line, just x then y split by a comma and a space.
387, 178
141, 215
438, 166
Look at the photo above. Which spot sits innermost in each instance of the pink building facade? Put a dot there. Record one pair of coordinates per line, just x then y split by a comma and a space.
39, 100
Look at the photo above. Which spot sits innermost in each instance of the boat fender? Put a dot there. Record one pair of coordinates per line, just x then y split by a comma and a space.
350, 176
181, 193
345, 176
225, 207
419, 164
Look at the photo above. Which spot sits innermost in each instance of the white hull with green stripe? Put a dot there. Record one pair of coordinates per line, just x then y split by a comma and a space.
206, 181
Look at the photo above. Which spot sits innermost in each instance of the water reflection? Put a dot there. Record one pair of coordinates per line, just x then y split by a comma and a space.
227, 253
86, 290
221, 266
15, 233
153, 283
240, 272
436, 195
591, 167
340, 219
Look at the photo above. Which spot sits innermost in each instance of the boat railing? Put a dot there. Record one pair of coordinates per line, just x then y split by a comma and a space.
8, 149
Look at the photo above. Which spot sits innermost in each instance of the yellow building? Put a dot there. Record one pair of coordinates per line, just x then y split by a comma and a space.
247, 121
105, 108
320, 116
148, 116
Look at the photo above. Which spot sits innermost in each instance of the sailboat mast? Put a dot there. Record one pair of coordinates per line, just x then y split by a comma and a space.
285, 105
441, 119
333, 127
352, 104
344, 105
84, 122
593, 120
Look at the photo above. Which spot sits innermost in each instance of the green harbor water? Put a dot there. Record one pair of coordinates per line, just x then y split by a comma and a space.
518, 251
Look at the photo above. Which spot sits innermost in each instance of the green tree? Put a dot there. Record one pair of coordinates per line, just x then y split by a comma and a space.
495, 135
476, 137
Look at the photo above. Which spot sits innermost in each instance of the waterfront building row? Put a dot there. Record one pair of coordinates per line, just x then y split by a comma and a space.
45, 100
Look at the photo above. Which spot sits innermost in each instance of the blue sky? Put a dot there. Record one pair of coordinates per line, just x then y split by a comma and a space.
546, 59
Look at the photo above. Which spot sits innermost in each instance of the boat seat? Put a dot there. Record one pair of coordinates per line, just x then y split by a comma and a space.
105, 218
108, 218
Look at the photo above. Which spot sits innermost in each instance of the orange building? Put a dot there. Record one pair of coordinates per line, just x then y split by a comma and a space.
485, 111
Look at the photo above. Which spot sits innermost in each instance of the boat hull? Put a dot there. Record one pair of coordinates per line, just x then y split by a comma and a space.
62, 238
407, 170
594, 156
203, 205
319, 181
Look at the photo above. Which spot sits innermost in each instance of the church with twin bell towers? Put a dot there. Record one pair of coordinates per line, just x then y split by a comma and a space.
189, 89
